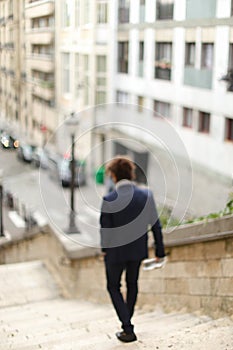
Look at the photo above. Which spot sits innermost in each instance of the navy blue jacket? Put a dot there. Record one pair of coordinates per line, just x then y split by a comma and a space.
126, 215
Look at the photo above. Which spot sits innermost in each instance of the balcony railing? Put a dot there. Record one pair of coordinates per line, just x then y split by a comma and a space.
46, 84
142, 14
43, 57
9, 45
43, 36
140, 69
40, 8
200, 78
43, 63
163, 73
163, 69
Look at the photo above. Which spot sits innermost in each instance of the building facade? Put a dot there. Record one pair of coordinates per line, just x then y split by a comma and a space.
171, 58
85, 57
40, 69
12, 57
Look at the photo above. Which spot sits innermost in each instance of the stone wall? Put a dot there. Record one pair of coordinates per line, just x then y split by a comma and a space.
198, 275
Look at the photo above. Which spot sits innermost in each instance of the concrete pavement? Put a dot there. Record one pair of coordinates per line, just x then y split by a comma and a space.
33, 315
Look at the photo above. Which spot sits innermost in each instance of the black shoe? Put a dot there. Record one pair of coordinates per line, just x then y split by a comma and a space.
126, 337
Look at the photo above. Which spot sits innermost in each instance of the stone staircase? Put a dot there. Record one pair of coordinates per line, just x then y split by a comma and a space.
33, 315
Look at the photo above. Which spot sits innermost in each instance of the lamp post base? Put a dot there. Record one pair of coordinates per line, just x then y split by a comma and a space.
72, 229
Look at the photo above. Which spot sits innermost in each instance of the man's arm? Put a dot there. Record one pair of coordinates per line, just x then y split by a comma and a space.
105, 223
156, 229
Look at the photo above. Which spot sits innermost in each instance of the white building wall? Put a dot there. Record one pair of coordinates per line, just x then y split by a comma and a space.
180, 10
223, 8
150, 11
210, 150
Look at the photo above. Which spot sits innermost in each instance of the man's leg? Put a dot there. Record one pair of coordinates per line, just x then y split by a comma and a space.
114, 273
132, 274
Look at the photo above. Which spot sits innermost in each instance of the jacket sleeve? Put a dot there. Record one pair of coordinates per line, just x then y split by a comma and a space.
156, 229
105, 224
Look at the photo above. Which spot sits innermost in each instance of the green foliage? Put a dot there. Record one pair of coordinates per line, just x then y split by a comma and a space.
168, 220
228, 210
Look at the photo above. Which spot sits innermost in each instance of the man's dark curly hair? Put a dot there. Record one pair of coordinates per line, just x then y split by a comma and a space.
122, 167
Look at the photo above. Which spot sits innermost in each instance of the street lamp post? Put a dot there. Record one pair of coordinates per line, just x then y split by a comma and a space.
1, 206
71, 124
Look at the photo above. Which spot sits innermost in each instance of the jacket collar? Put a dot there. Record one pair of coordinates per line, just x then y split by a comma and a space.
124, 182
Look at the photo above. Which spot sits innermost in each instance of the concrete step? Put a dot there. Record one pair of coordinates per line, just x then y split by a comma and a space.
42, 319
93, 327
26, 282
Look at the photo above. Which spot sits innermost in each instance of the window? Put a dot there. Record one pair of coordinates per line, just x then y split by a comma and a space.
164, 9
123, 48
141, 51
229, 129
123, 11
77, 13
231, 8
66, 13
204, 122
162, 109
207, 56
187, 117
102, 12
230, 63
86, 65
42, 76
190, 54
10, 4
122, 97
86, 12
45, 50
163, 56
141, 58
140, 103
101, 63
100, 97
66, 73
229, 76
42, 22
77, 74
142, 11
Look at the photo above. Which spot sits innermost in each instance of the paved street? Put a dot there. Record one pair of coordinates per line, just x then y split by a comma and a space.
50, 201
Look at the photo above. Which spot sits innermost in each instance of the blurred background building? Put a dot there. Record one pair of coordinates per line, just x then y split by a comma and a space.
40, 67
12, 63
171, 57
174, 57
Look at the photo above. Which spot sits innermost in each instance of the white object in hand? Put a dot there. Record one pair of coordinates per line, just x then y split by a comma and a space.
150, 264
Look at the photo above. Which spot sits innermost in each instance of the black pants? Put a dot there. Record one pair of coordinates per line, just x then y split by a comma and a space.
124, 308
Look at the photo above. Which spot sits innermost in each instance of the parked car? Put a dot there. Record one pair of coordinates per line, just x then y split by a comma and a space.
25, 152
40, 158
9, 141
60, 170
